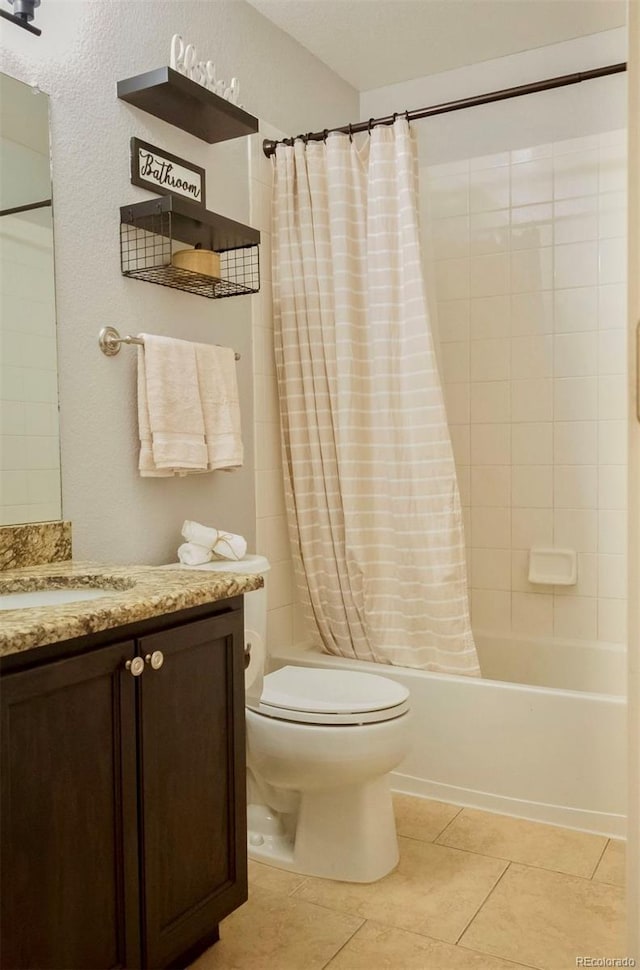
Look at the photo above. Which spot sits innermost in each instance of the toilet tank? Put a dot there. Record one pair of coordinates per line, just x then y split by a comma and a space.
255, 602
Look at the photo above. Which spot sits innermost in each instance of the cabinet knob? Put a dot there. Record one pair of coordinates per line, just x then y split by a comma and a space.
135, 666
155, 659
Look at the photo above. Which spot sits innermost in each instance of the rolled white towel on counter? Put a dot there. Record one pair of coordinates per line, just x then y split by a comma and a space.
191, 554
223, 545
230, 546
202, 535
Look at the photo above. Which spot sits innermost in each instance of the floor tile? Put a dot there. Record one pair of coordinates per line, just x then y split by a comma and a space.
611, 868
275, 880
422, 818
376, 947
547, 919
434, 890
531, 843
274, 932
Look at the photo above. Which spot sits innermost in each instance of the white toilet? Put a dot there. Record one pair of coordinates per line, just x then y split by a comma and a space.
320, 746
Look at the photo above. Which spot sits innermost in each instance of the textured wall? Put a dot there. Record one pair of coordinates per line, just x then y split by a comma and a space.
84, 49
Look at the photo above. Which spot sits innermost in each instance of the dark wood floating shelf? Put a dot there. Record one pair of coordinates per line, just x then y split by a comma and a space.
177, 99
190, 223
150, 230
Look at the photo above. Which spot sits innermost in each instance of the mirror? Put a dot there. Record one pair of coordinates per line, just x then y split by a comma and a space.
29, 447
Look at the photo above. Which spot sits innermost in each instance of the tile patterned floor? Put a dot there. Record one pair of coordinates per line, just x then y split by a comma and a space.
473, 891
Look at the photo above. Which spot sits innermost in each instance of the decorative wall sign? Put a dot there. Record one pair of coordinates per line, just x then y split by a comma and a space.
184, 59
154, 169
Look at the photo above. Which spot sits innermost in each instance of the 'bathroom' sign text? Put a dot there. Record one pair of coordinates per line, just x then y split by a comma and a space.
153, 168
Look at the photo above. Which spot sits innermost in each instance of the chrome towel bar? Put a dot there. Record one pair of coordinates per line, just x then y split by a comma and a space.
110, 341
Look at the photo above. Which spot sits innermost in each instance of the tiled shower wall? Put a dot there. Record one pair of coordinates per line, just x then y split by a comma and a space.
528, 270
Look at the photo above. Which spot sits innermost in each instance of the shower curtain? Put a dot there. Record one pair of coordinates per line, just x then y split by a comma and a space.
372, 499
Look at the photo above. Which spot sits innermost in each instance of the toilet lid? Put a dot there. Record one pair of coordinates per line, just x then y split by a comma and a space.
319, 696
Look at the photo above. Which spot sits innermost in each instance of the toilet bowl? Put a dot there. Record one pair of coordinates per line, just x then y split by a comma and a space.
319, 755
320, 746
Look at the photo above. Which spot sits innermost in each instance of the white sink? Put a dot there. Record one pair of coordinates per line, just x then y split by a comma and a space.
51, 597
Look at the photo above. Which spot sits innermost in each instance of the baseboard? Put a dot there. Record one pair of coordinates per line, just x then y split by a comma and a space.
583, 820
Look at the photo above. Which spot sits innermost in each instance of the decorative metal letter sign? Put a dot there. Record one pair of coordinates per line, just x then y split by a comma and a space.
154, 169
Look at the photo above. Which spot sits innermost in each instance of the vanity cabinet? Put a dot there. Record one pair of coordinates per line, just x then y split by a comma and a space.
69, 832
123, 795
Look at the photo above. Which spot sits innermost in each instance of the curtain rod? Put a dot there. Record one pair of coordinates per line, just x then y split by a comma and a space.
269, 146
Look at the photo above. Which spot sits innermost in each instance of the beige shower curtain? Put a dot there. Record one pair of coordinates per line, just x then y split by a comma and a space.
372, 498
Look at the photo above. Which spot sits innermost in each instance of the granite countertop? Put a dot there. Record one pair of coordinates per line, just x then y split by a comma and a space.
136, 593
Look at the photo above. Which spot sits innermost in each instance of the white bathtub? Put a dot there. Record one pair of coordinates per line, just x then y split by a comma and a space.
541, 736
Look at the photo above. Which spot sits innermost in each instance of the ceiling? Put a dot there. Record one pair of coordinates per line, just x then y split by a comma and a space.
373, 43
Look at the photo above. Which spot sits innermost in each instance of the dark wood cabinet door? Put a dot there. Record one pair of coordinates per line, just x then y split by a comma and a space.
192, 784
69, 828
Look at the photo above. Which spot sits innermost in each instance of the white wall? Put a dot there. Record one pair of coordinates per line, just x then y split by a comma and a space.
570, 112
524, 203
633, 854
84, 49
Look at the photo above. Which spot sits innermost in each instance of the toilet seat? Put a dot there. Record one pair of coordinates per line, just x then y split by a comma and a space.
317, 696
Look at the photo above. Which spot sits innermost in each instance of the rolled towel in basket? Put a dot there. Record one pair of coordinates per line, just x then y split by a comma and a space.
224, 545
191, 554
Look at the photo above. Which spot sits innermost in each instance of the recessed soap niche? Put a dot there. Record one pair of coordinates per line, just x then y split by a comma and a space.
553, 567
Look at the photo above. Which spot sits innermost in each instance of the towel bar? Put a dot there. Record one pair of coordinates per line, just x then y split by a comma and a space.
110, 341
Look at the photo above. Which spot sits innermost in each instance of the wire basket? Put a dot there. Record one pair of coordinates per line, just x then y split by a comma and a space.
150, 234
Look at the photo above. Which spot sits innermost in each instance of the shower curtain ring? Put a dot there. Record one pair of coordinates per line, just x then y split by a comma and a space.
369, 126
406, 114
350, 132
324, 135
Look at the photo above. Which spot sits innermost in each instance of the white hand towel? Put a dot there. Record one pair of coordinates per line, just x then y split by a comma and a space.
224, 545
146, 465
218, 382
191, 554
169, 408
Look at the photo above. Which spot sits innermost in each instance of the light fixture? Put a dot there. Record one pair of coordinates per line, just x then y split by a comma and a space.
23, 13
